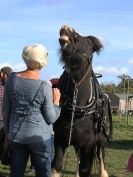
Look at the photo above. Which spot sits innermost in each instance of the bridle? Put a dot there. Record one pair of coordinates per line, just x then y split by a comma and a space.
84, 55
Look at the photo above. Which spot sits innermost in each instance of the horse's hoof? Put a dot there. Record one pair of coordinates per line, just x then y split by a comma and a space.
54, 173
77, 174
104, 174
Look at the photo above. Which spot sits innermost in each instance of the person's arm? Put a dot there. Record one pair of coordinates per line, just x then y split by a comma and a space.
50, 108
6, 106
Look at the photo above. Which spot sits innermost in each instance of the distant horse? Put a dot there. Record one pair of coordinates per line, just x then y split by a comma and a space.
85, 120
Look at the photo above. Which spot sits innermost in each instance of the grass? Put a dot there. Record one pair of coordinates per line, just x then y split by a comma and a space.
117, 153
119, 150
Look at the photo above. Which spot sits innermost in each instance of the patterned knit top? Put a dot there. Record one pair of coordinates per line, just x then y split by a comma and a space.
32, 125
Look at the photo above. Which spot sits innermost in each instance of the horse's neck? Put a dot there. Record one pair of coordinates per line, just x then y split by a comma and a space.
85, 88
78, 73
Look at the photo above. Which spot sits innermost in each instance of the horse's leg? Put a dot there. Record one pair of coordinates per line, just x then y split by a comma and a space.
86, 161
58, 160
100, 155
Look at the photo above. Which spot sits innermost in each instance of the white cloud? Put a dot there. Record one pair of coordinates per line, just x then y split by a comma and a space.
5, 64
130, 61
117, 44
15, 67
19, 67
111, 70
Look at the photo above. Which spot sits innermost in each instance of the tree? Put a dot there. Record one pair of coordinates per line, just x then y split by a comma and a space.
108, 88
123, 86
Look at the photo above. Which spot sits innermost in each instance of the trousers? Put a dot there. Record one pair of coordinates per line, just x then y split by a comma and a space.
40, 153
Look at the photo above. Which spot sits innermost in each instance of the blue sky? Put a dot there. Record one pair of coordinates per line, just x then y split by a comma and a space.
24, 22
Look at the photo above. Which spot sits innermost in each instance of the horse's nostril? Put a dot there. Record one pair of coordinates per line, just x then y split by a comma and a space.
62, 42
63, 39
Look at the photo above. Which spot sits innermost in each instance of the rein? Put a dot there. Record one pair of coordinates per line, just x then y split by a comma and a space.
71, 130
75, 93
74, 106
73, 111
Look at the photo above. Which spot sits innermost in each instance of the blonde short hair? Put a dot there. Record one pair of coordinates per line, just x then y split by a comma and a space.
35, 56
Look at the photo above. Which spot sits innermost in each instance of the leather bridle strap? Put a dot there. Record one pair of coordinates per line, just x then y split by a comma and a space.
84, 76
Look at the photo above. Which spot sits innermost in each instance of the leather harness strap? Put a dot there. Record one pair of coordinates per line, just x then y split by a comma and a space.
84, 76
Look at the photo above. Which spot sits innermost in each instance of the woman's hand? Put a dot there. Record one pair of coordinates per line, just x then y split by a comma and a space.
56, 96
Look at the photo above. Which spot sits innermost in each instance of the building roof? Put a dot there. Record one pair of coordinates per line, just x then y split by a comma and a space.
123, 96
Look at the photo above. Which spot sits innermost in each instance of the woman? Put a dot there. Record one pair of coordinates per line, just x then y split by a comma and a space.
30, 107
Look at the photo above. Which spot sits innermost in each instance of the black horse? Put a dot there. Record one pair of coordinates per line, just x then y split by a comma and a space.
85, 119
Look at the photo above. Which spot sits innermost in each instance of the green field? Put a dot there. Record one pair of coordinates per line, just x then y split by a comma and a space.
117, 153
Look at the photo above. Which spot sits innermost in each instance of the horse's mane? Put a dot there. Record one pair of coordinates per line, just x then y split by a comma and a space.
97, 45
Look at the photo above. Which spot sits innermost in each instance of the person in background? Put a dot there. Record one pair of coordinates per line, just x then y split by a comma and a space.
4, 73
130, 163
29, 132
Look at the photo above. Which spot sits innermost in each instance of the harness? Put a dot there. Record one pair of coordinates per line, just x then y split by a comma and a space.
97, 103
94, 95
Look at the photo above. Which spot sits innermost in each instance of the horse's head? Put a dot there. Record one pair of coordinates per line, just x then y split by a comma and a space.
77, 49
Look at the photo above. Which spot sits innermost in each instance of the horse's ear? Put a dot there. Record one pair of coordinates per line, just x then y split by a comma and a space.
97, 45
